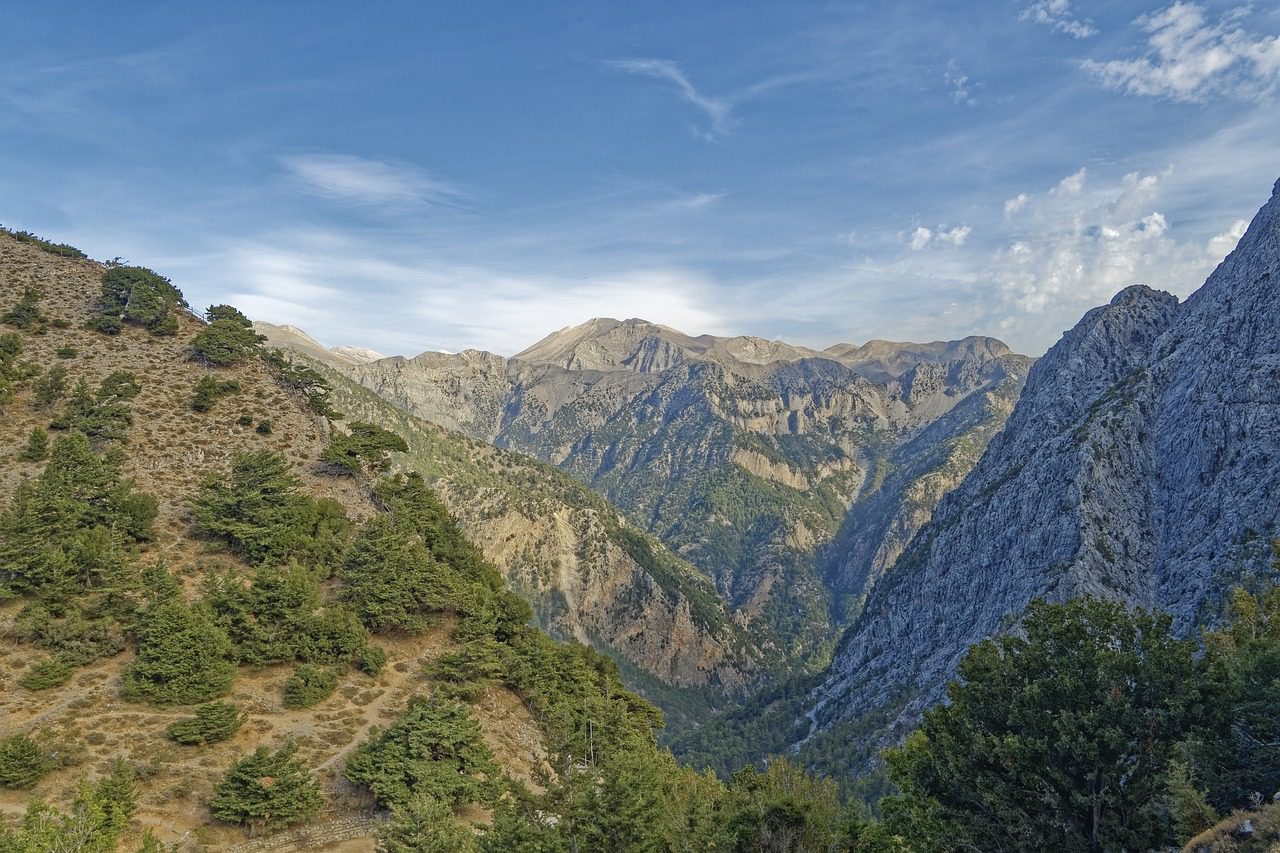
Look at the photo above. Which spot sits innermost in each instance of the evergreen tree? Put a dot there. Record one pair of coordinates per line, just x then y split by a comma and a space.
138, 296
435, 749
213, 722
267, 789
424, 825
22, 762
25, 313
1057, 740
366, 445
37, 449
183, 657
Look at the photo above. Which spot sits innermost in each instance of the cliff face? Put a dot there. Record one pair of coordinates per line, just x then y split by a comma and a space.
744, 456
1142, 463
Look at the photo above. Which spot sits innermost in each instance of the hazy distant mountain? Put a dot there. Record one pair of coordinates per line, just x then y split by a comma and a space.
745, 456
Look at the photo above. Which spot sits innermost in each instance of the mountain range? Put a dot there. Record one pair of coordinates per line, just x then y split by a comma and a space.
748, 458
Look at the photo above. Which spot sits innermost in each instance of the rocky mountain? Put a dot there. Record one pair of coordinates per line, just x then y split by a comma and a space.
1142, 462
744, 456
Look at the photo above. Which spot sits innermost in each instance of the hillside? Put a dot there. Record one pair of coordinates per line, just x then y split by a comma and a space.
589, 575
222, 530
746, 457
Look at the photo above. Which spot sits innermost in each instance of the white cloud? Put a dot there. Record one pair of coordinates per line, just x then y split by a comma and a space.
1078, 249
964, 90
1015, 204
1058, 14
955, 236
922, 237
1221, 245
718, 110
1072, 184
1189, 58
363, 181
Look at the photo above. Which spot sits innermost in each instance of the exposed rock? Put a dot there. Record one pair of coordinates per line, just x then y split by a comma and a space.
1142, 463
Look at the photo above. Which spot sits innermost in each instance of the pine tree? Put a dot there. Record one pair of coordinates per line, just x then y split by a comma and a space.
267, 789
424, 825
37, 449
22, 762
183, 657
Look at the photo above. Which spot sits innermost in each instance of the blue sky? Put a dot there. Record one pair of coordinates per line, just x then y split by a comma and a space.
413, 176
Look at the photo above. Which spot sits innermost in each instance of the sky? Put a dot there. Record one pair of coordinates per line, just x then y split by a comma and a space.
442, 176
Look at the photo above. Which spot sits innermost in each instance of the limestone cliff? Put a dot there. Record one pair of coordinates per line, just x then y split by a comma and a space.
1142, 462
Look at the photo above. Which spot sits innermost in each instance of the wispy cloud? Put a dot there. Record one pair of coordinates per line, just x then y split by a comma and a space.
363, 181
963, 88
718, 111
1190, 58
1059, 15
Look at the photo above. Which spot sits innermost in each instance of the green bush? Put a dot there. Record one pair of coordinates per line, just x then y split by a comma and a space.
50, 387
213, 722
136, 296
22, 762
37, 449
366, 445
228, 340
99, 815
271, 789
103, 415
53, 672
60, 249
66, 352
183, 656
77, 637
309, 685
264, 427
25, 313
209, 390
245, 420
371, 659
434, 749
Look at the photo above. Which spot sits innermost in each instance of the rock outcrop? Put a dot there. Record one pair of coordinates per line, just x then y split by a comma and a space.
1141, 463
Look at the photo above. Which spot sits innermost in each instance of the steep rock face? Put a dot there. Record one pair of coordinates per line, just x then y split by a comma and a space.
1140, 462
742, 455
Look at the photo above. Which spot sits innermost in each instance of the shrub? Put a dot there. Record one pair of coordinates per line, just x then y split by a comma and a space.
245, 420
213, 722
209, 390
229, 338
53, 672
50, 387
264, 427
309, 685
365, 445
22, 762
434, 749
183, 657
103, 415
66, 352
271, 789
25, 313
60, 249
137, 296
371, 659
37, 448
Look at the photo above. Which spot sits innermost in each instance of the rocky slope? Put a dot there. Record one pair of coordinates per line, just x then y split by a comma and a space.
1142, 462
589, 575
744, 456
